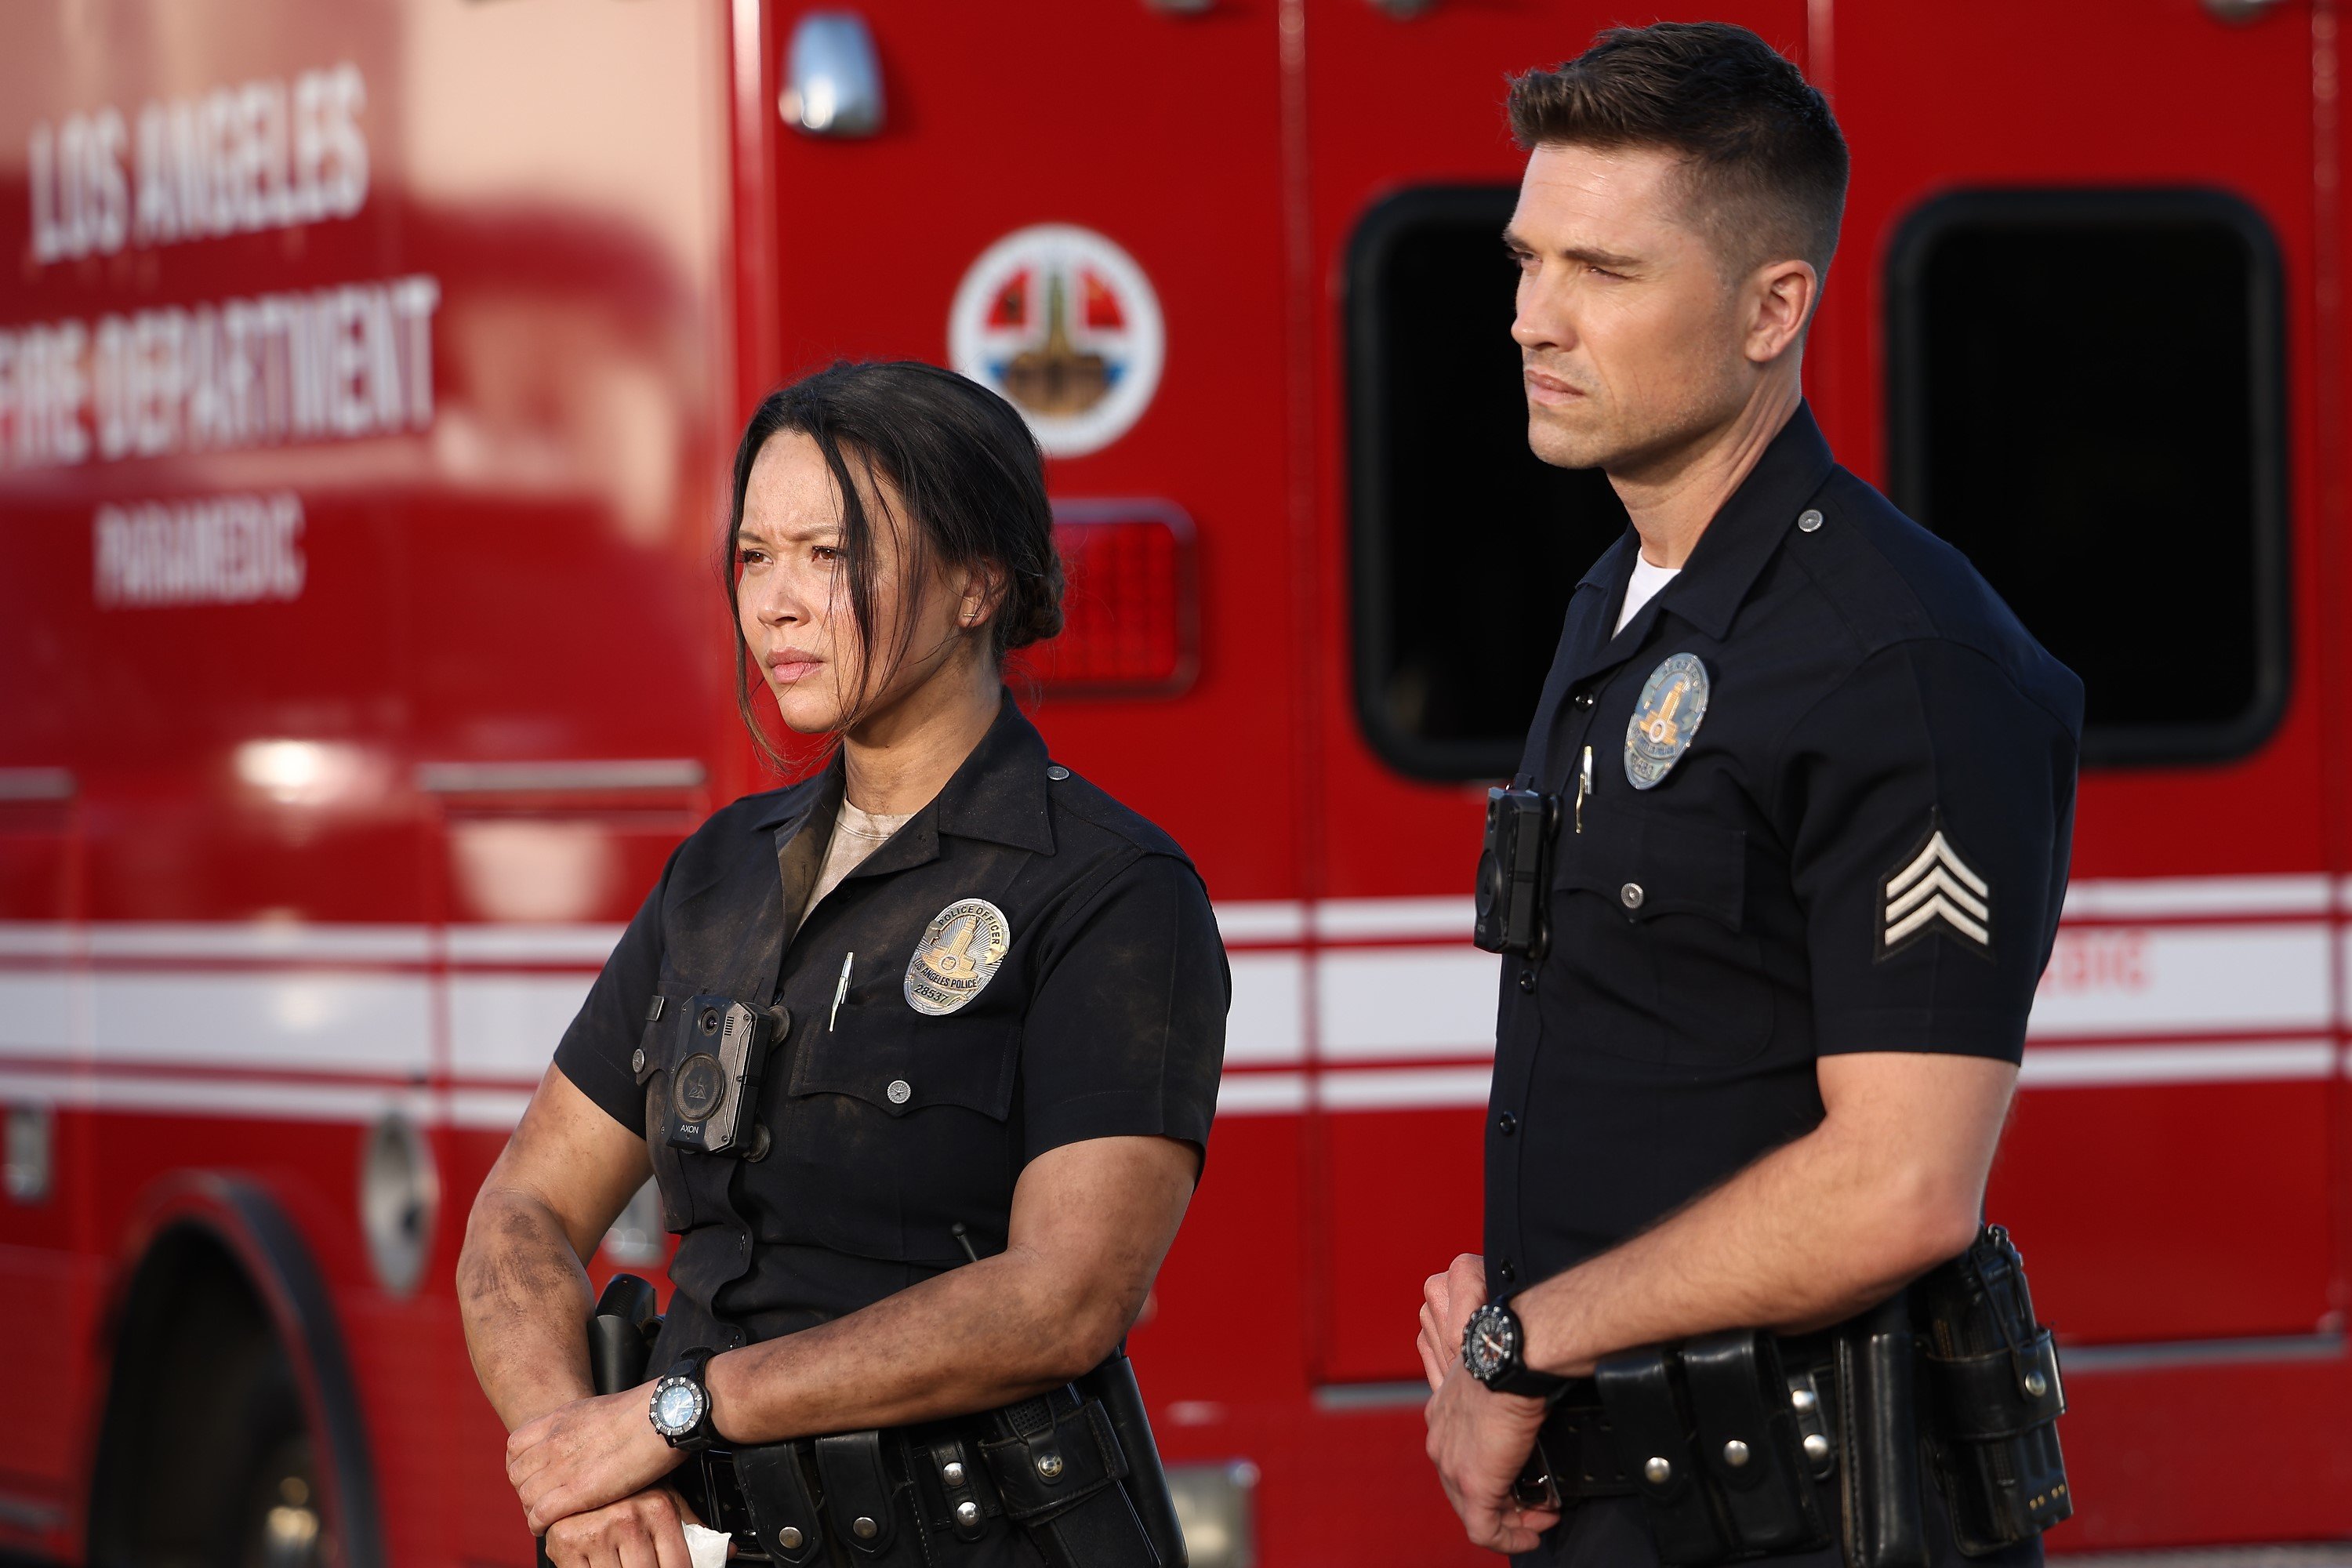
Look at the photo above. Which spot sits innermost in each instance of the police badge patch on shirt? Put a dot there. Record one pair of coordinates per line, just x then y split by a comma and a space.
1933, 890
1674, 700
958, 956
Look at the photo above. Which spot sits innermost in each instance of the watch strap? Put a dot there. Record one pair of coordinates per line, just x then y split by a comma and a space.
1515, 1375
1522, 1379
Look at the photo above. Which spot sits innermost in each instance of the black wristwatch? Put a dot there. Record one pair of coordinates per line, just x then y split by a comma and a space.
1494, 1347
680, 1407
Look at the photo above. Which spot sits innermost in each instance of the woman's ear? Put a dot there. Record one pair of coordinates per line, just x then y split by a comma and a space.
983, 592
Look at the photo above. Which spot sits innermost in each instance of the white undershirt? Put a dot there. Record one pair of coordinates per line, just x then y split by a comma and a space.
855, 835
1643, 588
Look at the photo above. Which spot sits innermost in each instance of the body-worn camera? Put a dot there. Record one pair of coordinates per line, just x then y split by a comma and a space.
1515, 871
715, 1090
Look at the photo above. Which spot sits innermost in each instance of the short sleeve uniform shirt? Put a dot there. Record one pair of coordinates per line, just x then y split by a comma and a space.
1857, 841
890, 1124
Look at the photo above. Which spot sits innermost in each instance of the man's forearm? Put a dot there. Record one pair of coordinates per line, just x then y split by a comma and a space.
973, 1339
1808, 1234
524, 1299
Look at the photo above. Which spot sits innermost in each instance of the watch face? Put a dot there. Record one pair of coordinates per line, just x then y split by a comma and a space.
1490, 1343
677, 1405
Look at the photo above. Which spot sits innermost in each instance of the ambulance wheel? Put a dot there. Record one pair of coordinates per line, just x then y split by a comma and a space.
207, 1459
279, 1524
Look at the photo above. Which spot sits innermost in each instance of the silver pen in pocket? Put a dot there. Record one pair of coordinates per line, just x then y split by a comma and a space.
840, 991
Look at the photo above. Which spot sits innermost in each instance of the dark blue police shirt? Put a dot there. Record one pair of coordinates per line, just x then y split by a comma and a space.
1715, 935
888, 1126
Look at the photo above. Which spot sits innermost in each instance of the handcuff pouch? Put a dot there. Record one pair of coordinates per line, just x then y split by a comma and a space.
1057, 1462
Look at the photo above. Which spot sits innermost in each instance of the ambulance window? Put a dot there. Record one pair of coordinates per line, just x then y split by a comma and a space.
1465, 546
2085, 396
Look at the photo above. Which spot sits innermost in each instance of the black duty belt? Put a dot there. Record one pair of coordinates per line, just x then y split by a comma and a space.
1741, 1444
1076, 1469
935, 1493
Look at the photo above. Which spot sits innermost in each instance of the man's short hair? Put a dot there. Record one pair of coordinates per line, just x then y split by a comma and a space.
1766, 165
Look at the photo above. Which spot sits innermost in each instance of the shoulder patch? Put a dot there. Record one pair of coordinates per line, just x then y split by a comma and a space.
1932, 890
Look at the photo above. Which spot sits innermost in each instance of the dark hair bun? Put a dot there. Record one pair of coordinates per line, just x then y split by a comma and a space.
1032, 611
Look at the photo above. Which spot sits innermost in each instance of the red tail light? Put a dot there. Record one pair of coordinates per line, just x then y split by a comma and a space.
1132, 607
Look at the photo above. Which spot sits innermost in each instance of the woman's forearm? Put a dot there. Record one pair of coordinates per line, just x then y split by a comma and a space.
524, 1299
998, 1330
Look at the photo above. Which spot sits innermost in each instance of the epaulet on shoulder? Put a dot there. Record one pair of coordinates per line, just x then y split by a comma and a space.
1893, 581
1091, 804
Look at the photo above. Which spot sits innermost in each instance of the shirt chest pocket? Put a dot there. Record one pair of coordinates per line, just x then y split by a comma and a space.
877, 1049
1654, 957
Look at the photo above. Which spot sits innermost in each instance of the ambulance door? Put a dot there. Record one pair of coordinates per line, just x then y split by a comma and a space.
1079, 204
1447, 554
2090, 248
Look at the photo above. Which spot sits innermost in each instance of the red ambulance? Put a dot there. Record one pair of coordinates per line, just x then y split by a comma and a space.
367, 376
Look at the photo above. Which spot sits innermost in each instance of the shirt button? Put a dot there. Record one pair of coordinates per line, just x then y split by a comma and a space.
900, 1091
1058, 773
1583, 701
1527, 981
1631, 894
1807, 520
1507, 1272
1506, 1124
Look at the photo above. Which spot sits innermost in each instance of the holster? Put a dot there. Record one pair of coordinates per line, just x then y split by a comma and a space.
1994, 1397
620, 1341
1113, 1383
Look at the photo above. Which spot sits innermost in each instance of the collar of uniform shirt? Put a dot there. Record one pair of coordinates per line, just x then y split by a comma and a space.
1725, 563
998, 794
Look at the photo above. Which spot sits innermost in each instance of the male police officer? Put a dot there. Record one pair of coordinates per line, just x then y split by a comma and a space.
1806, 787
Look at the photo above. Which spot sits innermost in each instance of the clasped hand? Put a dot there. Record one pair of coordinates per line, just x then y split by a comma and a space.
1478, 1439
586, 1474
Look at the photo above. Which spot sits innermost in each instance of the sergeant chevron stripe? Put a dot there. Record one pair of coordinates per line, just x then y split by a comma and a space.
1934, 885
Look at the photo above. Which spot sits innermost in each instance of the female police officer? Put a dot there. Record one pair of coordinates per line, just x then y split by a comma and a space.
944, 990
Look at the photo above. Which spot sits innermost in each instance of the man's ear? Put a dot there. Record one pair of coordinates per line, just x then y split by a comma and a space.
1782, 294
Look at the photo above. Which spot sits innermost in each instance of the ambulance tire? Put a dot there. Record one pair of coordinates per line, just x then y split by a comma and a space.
276, 1522
207, 1456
